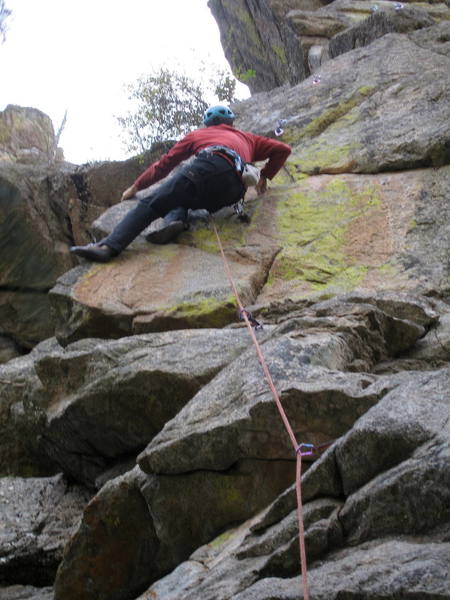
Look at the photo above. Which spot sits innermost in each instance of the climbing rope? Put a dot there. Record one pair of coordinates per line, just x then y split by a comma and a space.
300, 449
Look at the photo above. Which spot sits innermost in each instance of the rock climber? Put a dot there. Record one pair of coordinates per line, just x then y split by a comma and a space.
212, 180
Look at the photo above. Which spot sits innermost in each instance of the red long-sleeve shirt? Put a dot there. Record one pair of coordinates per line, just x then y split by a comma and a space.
251, 147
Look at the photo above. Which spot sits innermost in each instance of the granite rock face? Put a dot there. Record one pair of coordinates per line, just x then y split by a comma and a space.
364, 113
404, 20
271, 54
44, 209
94, 389
38, 517
362, 533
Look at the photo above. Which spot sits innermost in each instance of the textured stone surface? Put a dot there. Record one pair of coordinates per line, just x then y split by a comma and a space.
410, 570
378, 24
125, 542
27, 135
234, 415
264, 51
366, 115
110, 556
94, 390
22, 592
21, 417
43, 211
436, 38
38, 516
344, 232
375, 527
155, 288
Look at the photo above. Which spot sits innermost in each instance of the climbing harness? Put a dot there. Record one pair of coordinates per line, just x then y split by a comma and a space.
298, 448
239, 163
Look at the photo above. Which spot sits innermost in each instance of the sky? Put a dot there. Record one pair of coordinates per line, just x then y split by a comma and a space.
79, 55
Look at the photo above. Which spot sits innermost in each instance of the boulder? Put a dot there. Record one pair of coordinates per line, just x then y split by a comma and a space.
38, 517
378, 24
363, 534
27, 135
146, 521
234, 416
103, 401
111, 554
55, 402
21, 416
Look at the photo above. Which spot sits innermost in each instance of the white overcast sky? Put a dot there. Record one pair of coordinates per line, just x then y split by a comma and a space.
79, 54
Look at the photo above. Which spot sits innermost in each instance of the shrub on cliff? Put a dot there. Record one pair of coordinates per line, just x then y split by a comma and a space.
168, 104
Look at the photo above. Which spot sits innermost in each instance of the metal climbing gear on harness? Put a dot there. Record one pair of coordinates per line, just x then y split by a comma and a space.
308, 452
239, 163
239, 210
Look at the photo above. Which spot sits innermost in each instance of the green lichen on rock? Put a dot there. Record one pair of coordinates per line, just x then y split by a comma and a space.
323, 157
315, 153
222, 539
312, 226
247, 28
280, 52
208, 312
244, 76
343, 113
231, 234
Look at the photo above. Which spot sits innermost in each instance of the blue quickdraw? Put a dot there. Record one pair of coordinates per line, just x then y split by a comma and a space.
309, 452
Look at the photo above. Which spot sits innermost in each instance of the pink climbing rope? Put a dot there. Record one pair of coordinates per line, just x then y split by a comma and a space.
276, 397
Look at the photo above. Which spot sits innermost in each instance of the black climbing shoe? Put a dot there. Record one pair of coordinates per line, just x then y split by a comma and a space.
94, 252
166, 233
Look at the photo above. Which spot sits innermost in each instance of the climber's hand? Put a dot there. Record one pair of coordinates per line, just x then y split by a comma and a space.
129, 193
261, 186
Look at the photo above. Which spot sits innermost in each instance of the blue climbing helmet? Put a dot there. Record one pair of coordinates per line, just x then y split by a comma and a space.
215, 115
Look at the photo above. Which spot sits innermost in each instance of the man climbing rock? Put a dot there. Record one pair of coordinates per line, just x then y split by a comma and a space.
214, 179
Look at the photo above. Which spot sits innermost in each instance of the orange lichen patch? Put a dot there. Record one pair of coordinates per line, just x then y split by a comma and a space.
135, 280
342, 232
368, 239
